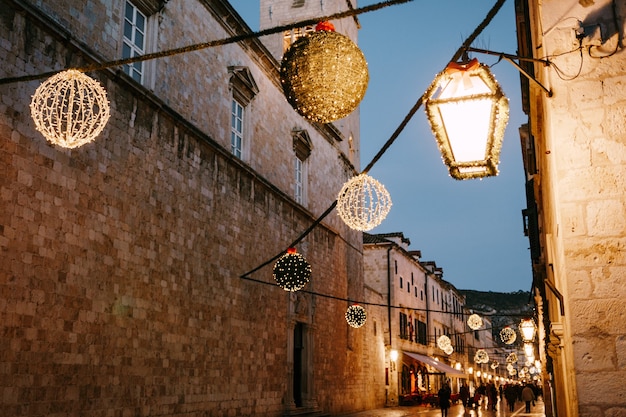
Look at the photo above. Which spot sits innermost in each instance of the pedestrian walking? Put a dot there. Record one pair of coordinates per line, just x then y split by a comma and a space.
464, 394
510, 393
444, 399
528, 396
492, 395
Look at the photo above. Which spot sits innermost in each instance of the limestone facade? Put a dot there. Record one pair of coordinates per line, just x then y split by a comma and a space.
416, 306
574, 147
121, 261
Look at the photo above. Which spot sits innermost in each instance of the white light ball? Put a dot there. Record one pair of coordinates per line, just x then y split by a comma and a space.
70, 109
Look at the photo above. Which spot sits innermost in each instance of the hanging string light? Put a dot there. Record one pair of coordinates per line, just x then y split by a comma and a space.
508, 335
70, 109
291, 271
324, 75
475, 322
356, 316
481, 356
363, 203
443, 342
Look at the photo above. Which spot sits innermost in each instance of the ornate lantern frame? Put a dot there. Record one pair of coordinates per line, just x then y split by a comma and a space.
448, 132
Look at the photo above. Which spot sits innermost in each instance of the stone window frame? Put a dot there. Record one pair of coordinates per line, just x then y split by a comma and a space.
302, 147
243, 89
149, 10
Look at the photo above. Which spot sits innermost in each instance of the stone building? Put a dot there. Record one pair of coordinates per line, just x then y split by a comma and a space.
121, 261
413, 306
574, 146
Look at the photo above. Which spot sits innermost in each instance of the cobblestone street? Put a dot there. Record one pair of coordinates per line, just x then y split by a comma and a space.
455, 411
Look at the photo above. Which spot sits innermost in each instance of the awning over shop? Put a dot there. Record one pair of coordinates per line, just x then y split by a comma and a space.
442, 367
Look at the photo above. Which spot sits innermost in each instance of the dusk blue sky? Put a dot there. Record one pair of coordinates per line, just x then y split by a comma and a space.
472, 229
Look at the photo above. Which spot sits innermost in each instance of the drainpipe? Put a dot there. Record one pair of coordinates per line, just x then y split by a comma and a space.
427, 308
389, 293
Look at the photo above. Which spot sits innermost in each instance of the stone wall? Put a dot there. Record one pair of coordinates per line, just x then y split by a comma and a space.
580, 138
120, 261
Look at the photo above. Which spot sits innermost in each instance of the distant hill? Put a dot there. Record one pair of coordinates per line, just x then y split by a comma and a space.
502, 308
489, 301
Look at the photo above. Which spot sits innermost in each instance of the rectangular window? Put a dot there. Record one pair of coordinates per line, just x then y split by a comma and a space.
134, 41
236, 129
403, 326
299, 177
401, 283
408, 287
421, 333
290, 36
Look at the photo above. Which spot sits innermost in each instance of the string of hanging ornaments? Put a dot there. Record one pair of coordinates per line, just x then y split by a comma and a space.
292, 81
356, 316
292, 272
70, 109
324, 75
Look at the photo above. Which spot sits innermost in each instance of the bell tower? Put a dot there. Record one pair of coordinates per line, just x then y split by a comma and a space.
275, 13
282, 12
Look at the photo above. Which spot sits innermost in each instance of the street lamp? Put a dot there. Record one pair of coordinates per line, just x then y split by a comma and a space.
468, 113
528, 329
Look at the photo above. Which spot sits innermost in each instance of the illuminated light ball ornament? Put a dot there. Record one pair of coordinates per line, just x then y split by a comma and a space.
356, 316
363, 203
443, 342
481, 356
512, 372
495, 364
448, 350
508, 335
512, 358
509, 367
468, 114
291, 271
475, 322
70, 109
324, 75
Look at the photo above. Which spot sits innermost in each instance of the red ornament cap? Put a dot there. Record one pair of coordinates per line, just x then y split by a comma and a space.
291, 250
327, 26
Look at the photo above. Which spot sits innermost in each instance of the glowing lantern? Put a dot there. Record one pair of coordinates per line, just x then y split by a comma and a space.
468, 117
528, 329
